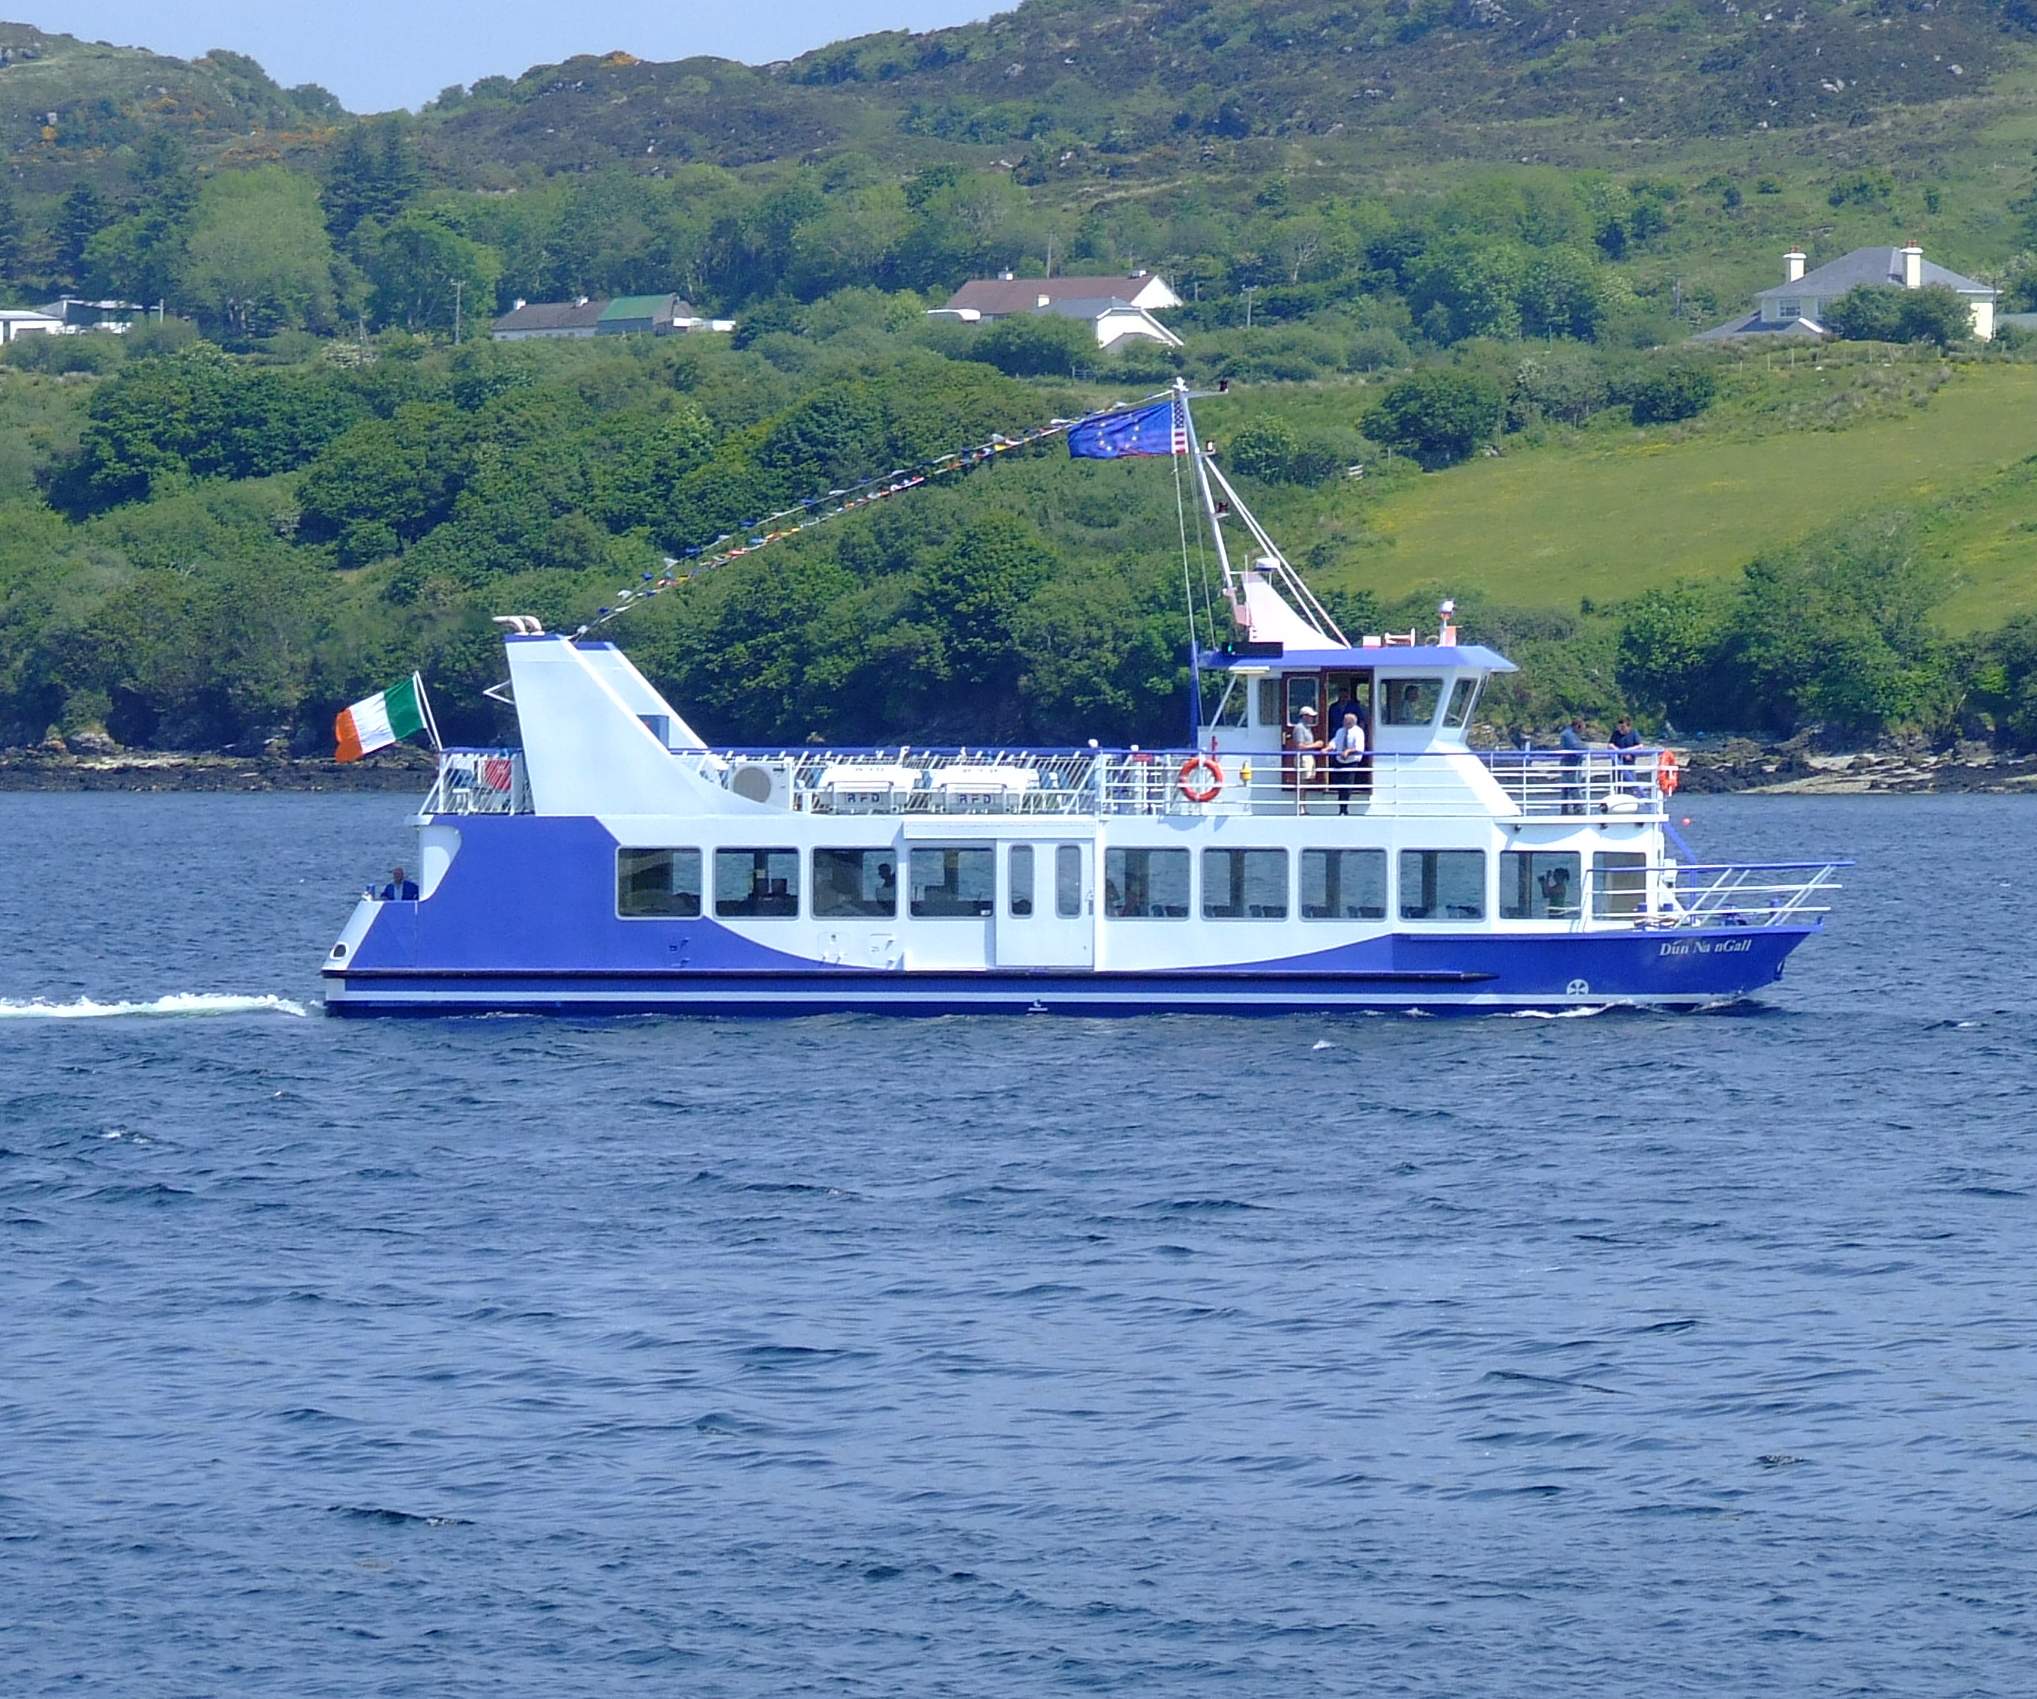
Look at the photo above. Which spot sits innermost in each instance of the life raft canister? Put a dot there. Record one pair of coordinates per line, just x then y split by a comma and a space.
1666, 776
1200, 779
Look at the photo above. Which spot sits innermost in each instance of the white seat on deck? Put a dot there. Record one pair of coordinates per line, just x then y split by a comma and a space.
982, 785
851, 786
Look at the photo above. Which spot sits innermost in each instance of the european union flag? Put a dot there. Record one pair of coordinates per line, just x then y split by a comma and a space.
1159, 429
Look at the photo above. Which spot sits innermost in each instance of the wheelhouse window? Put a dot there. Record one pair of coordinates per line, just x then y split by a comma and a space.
1269, 702
855, 882
756, 883
1463, 698
1021, 872
1410, 701
953, 884
1620, 884
1343, 884
1540, 885
1145, 884
1068, 881
1244, 884
1442, 884
657, 884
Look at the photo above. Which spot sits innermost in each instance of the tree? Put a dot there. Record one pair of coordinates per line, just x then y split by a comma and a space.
1028, 345
1671, 390
258, 259
1437, 416
1468, 287
80, 216
373, 174
1935, 313
418, 265
1562, 294
1670, 654
1266, 449
10, 235
1870, 312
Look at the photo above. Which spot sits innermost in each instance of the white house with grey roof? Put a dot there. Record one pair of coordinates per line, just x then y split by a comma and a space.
1113, 307
1797, 305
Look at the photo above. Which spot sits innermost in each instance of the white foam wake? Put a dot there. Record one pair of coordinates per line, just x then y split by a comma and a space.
177, 1003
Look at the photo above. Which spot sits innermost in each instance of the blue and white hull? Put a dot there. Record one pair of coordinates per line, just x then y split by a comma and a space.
520, 916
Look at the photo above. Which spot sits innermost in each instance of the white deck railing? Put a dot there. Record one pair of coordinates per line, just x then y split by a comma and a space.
903, 780
479, 781
1540, 784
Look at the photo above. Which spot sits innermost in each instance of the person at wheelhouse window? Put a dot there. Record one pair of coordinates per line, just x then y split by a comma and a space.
400, 888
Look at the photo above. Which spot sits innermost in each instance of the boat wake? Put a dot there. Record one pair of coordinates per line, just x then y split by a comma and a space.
176, 1003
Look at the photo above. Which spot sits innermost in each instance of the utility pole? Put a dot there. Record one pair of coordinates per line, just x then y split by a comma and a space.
459, 285
1251, 289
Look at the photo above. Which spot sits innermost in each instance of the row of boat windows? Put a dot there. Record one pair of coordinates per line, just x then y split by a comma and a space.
960, 883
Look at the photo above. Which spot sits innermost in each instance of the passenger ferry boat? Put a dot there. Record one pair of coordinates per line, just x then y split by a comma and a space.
614, 863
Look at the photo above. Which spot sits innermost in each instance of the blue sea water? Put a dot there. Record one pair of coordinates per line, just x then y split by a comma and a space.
1629, 1354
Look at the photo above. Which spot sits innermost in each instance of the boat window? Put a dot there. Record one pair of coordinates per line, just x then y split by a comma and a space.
855, 882
1022, 880
757, 882
1343, 884
1540, 885
1442, 884
1303, 690
1620, 884
1410, 701
1463, 698
953, 884
1244, 884
1269, 702
657, 884
1145, 884
1068, 881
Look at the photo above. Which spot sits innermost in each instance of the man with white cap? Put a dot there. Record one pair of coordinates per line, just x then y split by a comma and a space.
1302, 736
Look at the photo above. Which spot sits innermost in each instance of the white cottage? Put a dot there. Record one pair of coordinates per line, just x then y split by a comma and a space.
1797, 305
1114, 307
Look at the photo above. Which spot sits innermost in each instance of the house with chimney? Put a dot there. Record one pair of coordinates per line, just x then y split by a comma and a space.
1114, 307
1796, 306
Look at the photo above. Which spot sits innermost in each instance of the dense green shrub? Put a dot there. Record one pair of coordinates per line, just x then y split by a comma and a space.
1438, 416
1663, 392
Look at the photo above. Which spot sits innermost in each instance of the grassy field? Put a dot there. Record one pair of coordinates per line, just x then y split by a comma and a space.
1602, 516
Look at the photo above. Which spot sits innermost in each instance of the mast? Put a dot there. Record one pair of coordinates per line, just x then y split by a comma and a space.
1206, 471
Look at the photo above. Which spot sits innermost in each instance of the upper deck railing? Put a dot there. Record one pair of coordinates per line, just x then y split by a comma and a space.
1536, 784
1430, 783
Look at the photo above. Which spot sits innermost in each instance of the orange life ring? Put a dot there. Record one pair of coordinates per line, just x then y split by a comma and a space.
1665, 772
1197, 764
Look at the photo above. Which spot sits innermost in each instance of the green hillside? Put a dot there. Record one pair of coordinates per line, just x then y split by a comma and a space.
1604, 518
70, 109
1460, 243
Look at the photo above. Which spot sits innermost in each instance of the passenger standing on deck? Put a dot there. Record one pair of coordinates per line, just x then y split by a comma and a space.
1305, 740
399, 889
1573, 744
1347, 759
1626, 737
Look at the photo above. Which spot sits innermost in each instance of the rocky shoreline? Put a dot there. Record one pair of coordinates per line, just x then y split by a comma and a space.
1795, 769
405, 770
1792, 769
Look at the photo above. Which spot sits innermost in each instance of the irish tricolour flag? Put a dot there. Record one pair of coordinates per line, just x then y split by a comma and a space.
383, 719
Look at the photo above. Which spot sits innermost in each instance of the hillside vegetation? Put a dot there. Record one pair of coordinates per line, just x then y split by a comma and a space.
1457, 246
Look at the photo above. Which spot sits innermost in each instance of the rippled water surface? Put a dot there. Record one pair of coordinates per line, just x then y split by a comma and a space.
1627, 1354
